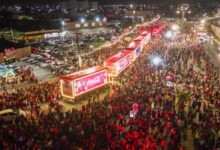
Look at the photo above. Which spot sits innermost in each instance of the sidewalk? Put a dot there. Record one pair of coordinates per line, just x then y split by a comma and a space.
209, 30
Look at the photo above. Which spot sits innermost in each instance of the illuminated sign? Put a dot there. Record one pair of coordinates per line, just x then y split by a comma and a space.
78, 83
123, 63
90, 82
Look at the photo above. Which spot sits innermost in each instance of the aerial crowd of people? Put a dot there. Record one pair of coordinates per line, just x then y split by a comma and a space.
174, 97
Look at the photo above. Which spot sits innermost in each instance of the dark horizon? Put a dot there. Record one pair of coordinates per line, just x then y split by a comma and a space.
107, 2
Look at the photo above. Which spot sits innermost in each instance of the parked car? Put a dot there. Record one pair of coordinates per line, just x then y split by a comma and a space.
8, 115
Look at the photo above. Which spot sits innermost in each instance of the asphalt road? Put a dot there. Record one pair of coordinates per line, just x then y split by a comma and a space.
212, 49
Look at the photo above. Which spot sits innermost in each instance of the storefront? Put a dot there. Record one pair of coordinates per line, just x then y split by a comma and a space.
78, 83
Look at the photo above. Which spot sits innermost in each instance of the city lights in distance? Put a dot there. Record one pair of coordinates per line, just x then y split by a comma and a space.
82, 20
97, 19
169, 34
63, 23
156, 60
175, 27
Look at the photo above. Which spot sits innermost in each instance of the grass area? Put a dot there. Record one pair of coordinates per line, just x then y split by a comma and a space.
7, 34
97, 44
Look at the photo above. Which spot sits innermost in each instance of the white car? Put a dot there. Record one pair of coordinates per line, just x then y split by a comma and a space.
10, 114
219, 48
43, 65
24, 58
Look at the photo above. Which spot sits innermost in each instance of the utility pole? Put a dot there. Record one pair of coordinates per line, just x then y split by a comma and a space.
78, 53
184, 8
12, 35
77, 40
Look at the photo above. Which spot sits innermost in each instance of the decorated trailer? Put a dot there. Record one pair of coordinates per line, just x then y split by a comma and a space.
118, 62
78, 83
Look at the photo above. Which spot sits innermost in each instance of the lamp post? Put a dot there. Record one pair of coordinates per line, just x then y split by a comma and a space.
82, 20
97, 19
183, 9
63, 23
63, 29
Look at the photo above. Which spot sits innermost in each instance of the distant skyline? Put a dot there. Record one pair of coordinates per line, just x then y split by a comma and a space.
151, 1
103, 2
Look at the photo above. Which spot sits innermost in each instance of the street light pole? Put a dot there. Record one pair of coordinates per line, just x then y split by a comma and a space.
183, 15
12, 34
183, 10
77, 40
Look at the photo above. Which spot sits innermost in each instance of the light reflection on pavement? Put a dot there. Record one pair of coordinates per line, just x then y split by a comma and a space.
213, 52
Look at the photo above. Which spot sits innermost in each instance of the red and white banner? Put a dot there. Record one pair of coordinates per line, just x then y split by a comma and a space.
90, 82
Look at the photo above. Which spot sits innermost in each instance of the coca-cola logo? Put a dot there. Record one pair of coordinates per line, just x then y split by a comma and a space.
94, 81
123, 63
90, 82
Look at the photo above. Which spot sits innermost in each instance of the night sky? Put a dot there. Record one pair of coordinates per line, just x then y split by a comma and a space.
103, 2
151, 1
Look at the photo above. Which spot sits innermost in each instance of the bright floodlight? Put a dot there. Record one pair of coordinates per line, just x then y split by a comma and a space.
97, 19
131, 5
156, 60
64, 33
169, 34
82, 20
202, 21
63, 23
175, 27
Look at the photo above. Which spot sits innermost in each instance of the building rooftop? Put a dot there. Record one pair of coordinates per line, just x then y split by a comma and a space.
4, 44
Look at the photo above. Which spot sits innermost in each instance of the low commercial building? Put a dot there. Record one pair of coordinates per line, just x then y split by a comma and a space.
10, 51
88, 24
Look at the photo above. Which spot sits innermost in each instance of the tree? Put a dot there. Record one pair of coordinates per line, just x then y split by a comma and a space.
183, 96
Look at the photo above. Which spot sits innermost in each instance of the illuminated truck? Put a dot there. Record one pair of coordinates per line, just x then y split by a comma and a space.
78, 83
